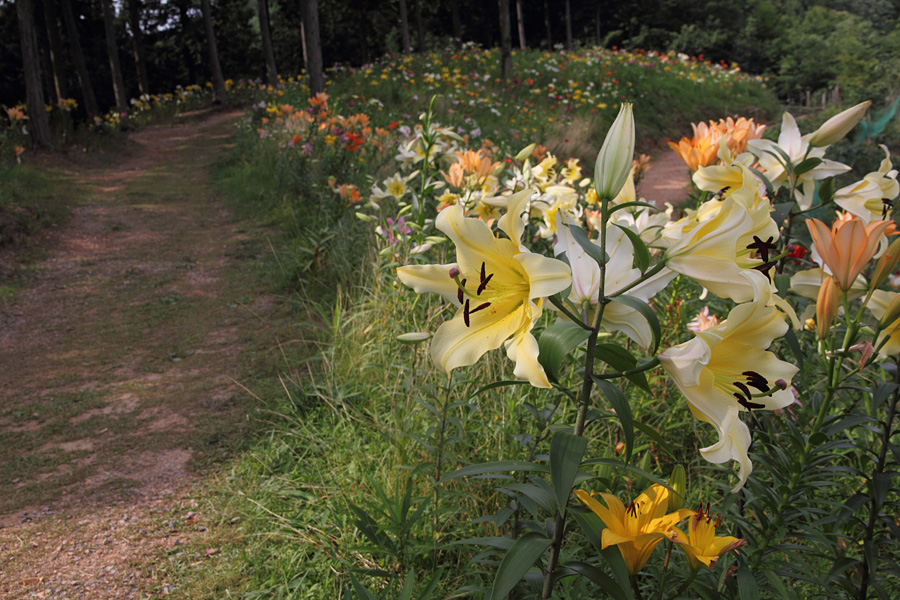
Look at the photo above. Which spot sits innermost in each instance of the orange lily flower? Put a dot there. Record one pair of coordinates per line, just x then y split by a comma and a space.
636, 530
701, 545
848, 245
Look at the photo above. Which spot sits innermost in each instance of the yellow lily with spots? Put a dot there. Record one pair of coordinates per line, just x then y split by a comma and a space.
499, 287
700, 544
726, 369
637, 529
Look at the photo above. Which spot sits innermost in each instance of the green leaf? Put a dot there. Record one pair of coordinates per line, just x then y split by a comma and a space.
498, 384
500, 466
807, 165
566, 451
592, 249
556, 342
825, 190
407, 591
748, 589
623, 411
517, 561
641, 254
361, 592
646, 312
781, 211
791, 339
598, 578
655, 436
621, 359
613, 209
614, 462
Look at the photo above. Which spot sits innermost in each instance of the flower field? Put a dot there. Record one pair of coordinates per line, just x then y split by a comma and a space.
530, 382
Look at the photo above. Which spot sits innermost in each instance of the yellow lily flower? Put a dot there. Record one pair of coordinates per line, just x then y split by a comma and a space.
717, 243
636, 530
700, 544
871, 198
848, 246
499, 287
726, 369
882, 305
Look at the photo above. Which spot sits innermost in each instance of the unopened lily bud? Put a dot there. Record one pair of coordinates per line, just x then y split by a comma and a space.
678, 483
614, 160
839, 125
886, 264
827, 304
525, 152
892, 313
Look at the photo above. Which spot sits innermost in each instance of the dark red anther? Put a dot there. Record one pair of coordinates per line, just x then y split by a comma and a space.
483, 284
632, 509
459, 292
481, 306
466, 313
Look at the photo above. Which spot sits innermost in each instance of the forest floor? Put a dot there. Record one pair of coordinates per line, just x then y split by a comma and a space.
124, 362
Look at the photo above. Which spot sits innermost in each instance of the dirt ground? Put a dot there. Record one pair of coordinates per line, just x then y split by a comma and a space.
118, 367
668, 180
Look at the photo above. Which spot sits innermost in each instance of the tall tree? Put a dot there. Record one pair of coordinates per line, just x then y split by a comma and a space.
456, 21
568, 26
31, 62
56, 54
137, 44
548, 25
262, 7
520, 19
420, 26
184, 24
84, 77
404, 28
112, 49
214, 66
505, 41
310, 10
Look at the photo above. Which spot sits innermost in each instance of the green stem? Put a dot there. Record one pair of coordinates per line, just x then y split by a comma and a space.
583, 401
438, 465
869, 547
665, 572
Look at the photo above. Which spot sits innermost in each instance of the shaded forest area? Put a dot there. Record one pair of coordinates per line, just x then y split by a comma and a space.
805, 46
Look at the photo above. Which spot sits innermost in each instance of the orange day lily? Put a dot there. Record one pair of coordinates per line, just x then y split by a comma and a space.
701, 545
636, 530
847, 246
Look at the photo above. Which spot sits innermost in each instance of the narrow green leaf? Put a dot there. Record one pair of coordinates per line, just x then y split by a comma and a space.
825, 190
566, 451
556, 342
517, 561
655, 436
807, 165
791, 338
613, 209
641, 254
614, 462
361, 592
592, 249
598, 578
500, 466
498, 384
406, 591
623, 411
748, 589
621, 359
646, 312
428, 591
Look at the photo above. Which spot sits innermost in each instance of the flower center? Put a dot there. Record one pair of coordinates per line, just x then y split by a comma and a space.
483, 297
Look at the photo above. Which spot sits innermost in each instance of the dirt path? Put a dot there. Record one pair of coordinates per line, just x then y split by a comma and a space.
117, 370
668, 180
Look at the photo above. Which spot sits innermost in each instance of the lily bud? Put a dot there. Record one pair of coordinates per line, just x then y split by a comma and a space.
891, 314
614, 160
887, 264
525, 152
678, 483
839, 125
827, 304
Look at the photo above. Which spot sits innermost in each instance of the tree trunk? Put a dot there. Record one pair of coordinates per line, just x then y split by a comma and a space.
420, 28
505, 41
263, 10
404, 28
84, 78
112, 49
520, 18
568, 25
56, 53
303, 44
184, 21
39, 124
137, 40
310, 10
214, 66
547, 25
